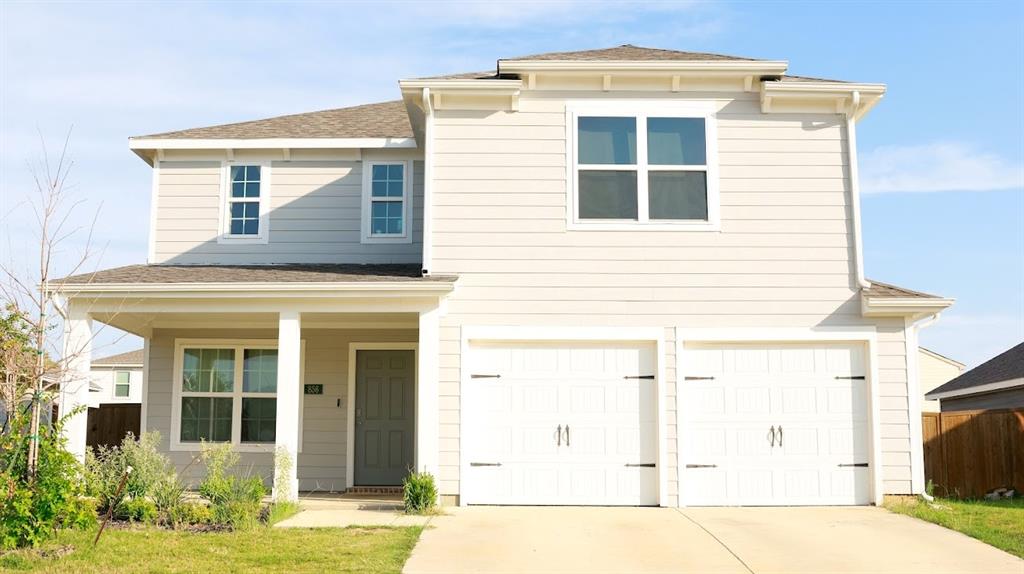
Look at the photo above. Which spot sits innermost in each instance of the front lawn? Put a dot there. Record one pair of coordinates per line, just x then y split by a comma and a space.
999, 523
145, 549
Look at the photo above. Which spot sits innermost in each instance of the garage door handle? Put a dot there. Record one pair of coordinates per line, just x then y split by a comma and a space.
702, 466
780, 435
559, 433
643, 465
566, 435
857, 464
485, 464
853, 378
771, 435
645, 377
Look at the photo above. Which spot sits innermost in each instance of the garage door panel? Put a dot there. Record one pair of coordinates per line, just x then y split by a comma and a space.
576, 415
771, 424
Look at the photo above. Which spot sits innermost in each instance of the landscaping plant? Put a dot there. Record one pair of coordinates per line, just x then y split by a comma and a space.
234, 500
419, 493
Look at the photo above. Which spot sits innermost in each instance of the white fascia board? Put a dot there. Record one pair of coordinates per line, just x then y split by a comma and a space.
899, 306
272, 143
835, 88
987, 388
260, 289
464, 86
738, 67
942, 358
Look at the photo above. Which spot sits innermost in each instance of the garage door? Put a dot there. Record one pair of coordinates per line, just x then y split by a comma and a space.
775, 425
566, 423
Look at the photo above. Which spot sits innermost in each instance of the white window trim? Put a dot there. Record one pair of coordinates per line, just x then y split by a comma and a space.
224, 236
365, 234
113, 392
236, 407
641, 110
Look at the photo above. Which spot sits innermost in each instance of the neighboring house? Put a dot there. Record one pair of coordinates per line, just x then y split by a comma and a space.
626, 276
935, 370
995, 384
117, 379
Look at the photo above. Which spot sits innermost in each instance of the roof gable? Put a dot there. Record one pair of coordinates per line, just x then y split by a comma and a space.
1007, 367
629, 53
130, 358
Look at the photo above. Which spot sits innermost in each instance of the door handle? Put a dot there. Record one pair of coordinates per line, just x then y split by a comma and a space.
566, 435
771, 435
780, 435
559, 433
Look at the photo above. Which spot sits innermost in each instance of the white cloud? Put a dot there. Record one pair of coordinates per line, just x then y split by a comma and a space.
937, 166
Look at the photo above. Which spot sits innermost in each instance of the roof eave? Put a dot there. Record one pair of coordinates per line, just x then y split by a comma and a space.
482, 87
287, 289
151, 143
738, 67
903, 306
843, 93
976, 390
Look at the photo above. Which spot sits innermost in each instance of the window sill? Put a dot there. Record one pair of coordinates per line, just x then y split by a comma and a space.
242, 239
643, 227
250, 447
387, 239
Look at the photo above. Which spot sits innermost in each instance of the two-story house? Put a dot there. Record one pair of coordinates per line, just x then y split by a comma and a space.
625, 276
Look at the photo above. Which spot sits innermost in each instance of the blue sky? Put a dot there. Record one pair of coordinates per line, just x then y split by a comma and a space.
942, 156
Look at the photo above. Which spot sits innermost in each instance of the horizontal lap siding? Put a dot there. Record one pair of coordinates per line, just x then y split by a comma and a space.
782, 259
321, 464
314, 216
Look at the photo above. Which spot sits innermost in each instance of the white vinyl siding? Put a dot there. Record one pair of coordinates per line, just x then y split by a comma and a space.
314, 216
321, 460
783, 256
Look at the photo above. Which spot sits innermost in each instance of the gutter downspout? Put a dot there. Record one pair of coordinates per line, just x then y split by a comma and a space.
851, 154
915, 400
428, 181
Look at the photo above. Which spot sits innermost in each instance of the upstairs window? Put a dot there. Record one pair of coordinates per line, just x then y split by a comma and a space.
387, 202
122, 384
651, 170
246, 197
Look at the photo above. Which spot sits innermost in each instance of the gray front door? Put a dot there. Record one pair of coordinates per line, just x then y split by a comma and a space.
384, 416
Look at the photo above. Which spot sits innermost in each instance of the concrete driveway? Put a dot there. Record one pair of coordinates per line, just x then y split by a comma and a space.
705, 540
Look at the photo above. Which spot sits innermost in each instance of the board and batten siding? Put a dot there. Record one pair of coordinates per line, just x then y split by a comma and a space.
322, 460
783, 258
314, 216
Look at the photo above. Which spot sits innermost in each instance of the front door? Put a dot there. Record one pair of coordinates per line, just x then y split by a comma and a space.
384, 417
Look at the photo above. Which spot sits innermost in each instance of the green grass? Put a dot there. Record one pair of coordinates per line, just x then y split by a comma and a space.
371, 550
998, 523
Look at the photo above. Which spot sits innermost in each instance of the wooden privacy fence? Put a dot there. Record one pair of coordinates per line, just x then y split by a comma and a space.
970, 453
108, 424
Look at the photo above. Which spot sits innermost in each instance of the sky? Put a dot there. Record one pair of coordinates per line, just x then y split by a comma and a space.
941, 157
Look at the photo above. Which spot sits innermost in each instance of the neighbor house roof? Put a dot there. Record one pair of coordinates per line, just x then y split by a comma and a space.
630, 53
380, 120
1003, 371
291, 273
129, 358
885, 290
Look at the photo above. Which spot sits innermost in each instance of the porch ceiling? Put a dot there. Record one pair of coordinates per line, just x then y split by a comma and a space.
142, 324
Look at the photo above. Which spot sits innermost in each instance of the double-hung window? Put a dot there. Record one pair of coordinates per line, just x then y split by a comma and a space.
225, 392
122, 384
651, 170
387, 202
246, 193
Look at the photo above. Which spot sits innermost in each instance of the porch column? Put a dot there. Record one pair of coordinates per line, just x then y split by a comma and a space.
287, 433
74, 389
427, 403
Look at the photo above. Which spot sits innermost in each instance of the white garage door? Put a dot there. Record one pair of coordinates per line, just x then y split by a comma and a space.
775, 425
560, 423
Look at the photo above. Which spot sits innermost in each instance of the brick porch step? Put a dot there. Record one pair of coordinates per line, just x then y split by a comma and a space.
390, 490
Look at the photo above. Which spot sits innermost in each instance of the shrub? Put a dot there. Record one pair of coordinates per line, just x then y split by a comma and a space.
32, 510
234, 500
105, 468
419, 493
138, 510
190, 513
167, 493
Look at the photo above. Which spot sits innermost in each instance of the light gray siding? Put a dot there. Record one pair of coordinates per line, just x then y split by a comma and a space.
1005, 399
783, 258
322, 460
314, 216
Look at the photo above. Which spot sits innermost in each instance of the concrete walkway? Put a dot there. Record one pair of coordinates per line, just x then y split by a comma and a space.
327, 511
705, 540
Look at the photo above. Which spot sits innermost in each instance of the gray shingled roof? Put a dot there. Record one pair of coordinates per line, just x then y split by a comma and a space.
291, 273
380, 120
630, 53
129, 358
1007, 366
885, 290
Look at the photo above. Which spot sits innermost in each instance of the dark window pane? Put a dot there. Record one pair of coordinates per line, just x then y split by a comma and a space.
678, 195
394, 209
205, 418
237, 189
676, 141
395, 189
252, 227
607, 195
260, 371
395, 226
379, 209
252, 189
259, 420
380, 189
395, 172
379, 225
237, 173
252, 173
607, 141
237, 209
380, 172
236, 227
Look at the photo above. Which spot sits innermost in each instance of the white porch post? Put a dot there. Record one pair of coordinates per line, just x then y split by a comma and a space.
427, 403
74, 390
288, 365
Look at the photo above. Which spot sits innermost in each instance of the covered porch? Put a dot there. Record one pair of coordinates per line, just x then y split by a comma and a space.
331, 367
